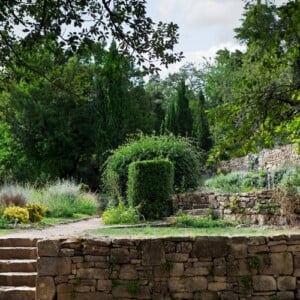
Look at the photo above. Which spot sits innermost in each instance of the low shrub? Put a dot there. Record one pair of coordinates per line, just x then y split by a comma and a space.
87, 204
120, 214
236, 182
4, 224
200, 222
36, 212
178, 150
150, 185
64, 198
16, 214
14, 195
290, 182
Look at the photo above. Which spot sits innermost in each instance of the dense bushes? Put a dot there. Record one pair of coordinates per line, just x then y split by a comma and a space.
237, 182
178, 150
150, 185
286, 178
60, 199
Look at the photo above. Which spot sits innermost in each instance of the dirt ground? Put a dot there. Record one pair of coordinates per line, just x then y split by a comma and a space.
77, 228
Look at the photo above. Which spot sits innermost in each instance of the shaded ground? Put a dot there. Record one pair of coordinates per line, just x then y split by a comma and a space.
77, 228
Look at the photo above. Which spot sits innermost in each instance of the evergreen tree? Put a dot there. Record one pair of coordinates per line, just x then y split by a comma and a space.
201, 127
171, 124
183, 112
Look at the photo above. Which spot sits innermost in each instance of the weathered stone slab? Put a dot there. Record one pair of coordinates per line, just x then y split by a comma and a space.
153, 253
262, 283
49, 266
210, 247
286, 283
276, 264
45, 288
48, 248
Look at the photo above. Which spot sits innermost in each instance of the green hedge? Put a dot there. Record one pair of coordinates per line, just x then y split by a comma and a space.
178, 150
150, 185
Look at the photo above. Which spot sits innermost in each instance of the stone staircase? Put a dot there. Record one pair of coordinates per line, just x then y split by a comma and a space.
18, 259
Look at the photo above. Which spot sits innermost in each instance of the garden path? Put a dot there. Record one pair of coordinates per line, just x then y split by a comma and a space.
77, 228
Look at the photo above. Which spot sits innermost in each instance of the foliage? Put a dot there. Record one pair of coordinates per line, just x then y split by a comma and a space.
15, 194
237, 182
87, 204
4, 224
64, 199
150, 185
74, 25
254, 96
120, 214
179, 119
36, 212
290, 182
201, 127
16, 214
200, 222
178, 150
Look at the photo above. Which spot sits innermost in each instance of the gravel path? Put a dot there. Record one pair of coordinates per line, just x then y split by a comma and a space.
77, 228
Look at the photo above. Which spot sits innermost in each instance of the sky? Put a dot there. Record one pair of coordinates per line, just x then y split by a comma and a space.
205, 26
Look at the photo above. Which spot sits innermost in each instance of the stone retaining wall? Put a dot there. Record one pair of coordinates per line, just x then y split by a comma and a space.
260, 207
267, 159
232, 268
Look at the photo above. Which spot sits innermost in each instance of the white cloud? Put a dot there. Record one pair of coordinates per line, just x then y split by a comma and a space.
198, 57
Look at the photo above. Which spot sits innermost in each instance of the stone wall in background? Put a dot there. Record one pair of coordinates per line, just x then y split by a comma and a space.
267, 159
228, 268
261, 208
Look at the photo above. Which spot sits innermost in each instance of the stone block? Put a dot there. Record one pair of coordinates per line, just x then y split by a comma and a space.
177, 269
187, 284
153, 253
278, 248
128, 272
239, 267
217, 286
229, 296
84, 296
238, 247
276, 264
124, 291
262, 283
120, 256
177, 257
48, 248
210, 247
50, 266
104, 285
286, 283
286, 295
45, 288
92, 273
94, 249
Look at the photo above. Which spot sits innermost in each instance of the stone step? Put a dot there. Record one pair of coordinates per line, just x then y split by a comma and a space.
17, 293
18, 253
18, 279
18, 242
18, 265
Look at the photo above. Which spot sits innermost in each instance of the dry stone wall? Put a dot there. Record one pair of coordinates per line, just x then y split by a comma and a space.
267, 159
228, 268
262, 207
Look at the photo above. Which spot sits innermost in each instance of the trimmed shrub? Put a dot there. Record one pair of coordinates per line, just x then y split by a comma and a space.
36, 212
120, 214
16, 214
150, 185
178, 150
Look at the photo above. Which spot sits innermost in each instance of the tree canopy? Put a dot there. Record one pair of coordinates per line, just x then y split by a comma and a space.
74, 24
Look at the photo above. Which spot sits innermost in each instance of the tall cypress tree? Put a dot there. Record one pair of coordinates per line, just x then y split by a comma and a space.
184, 115
201, 128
